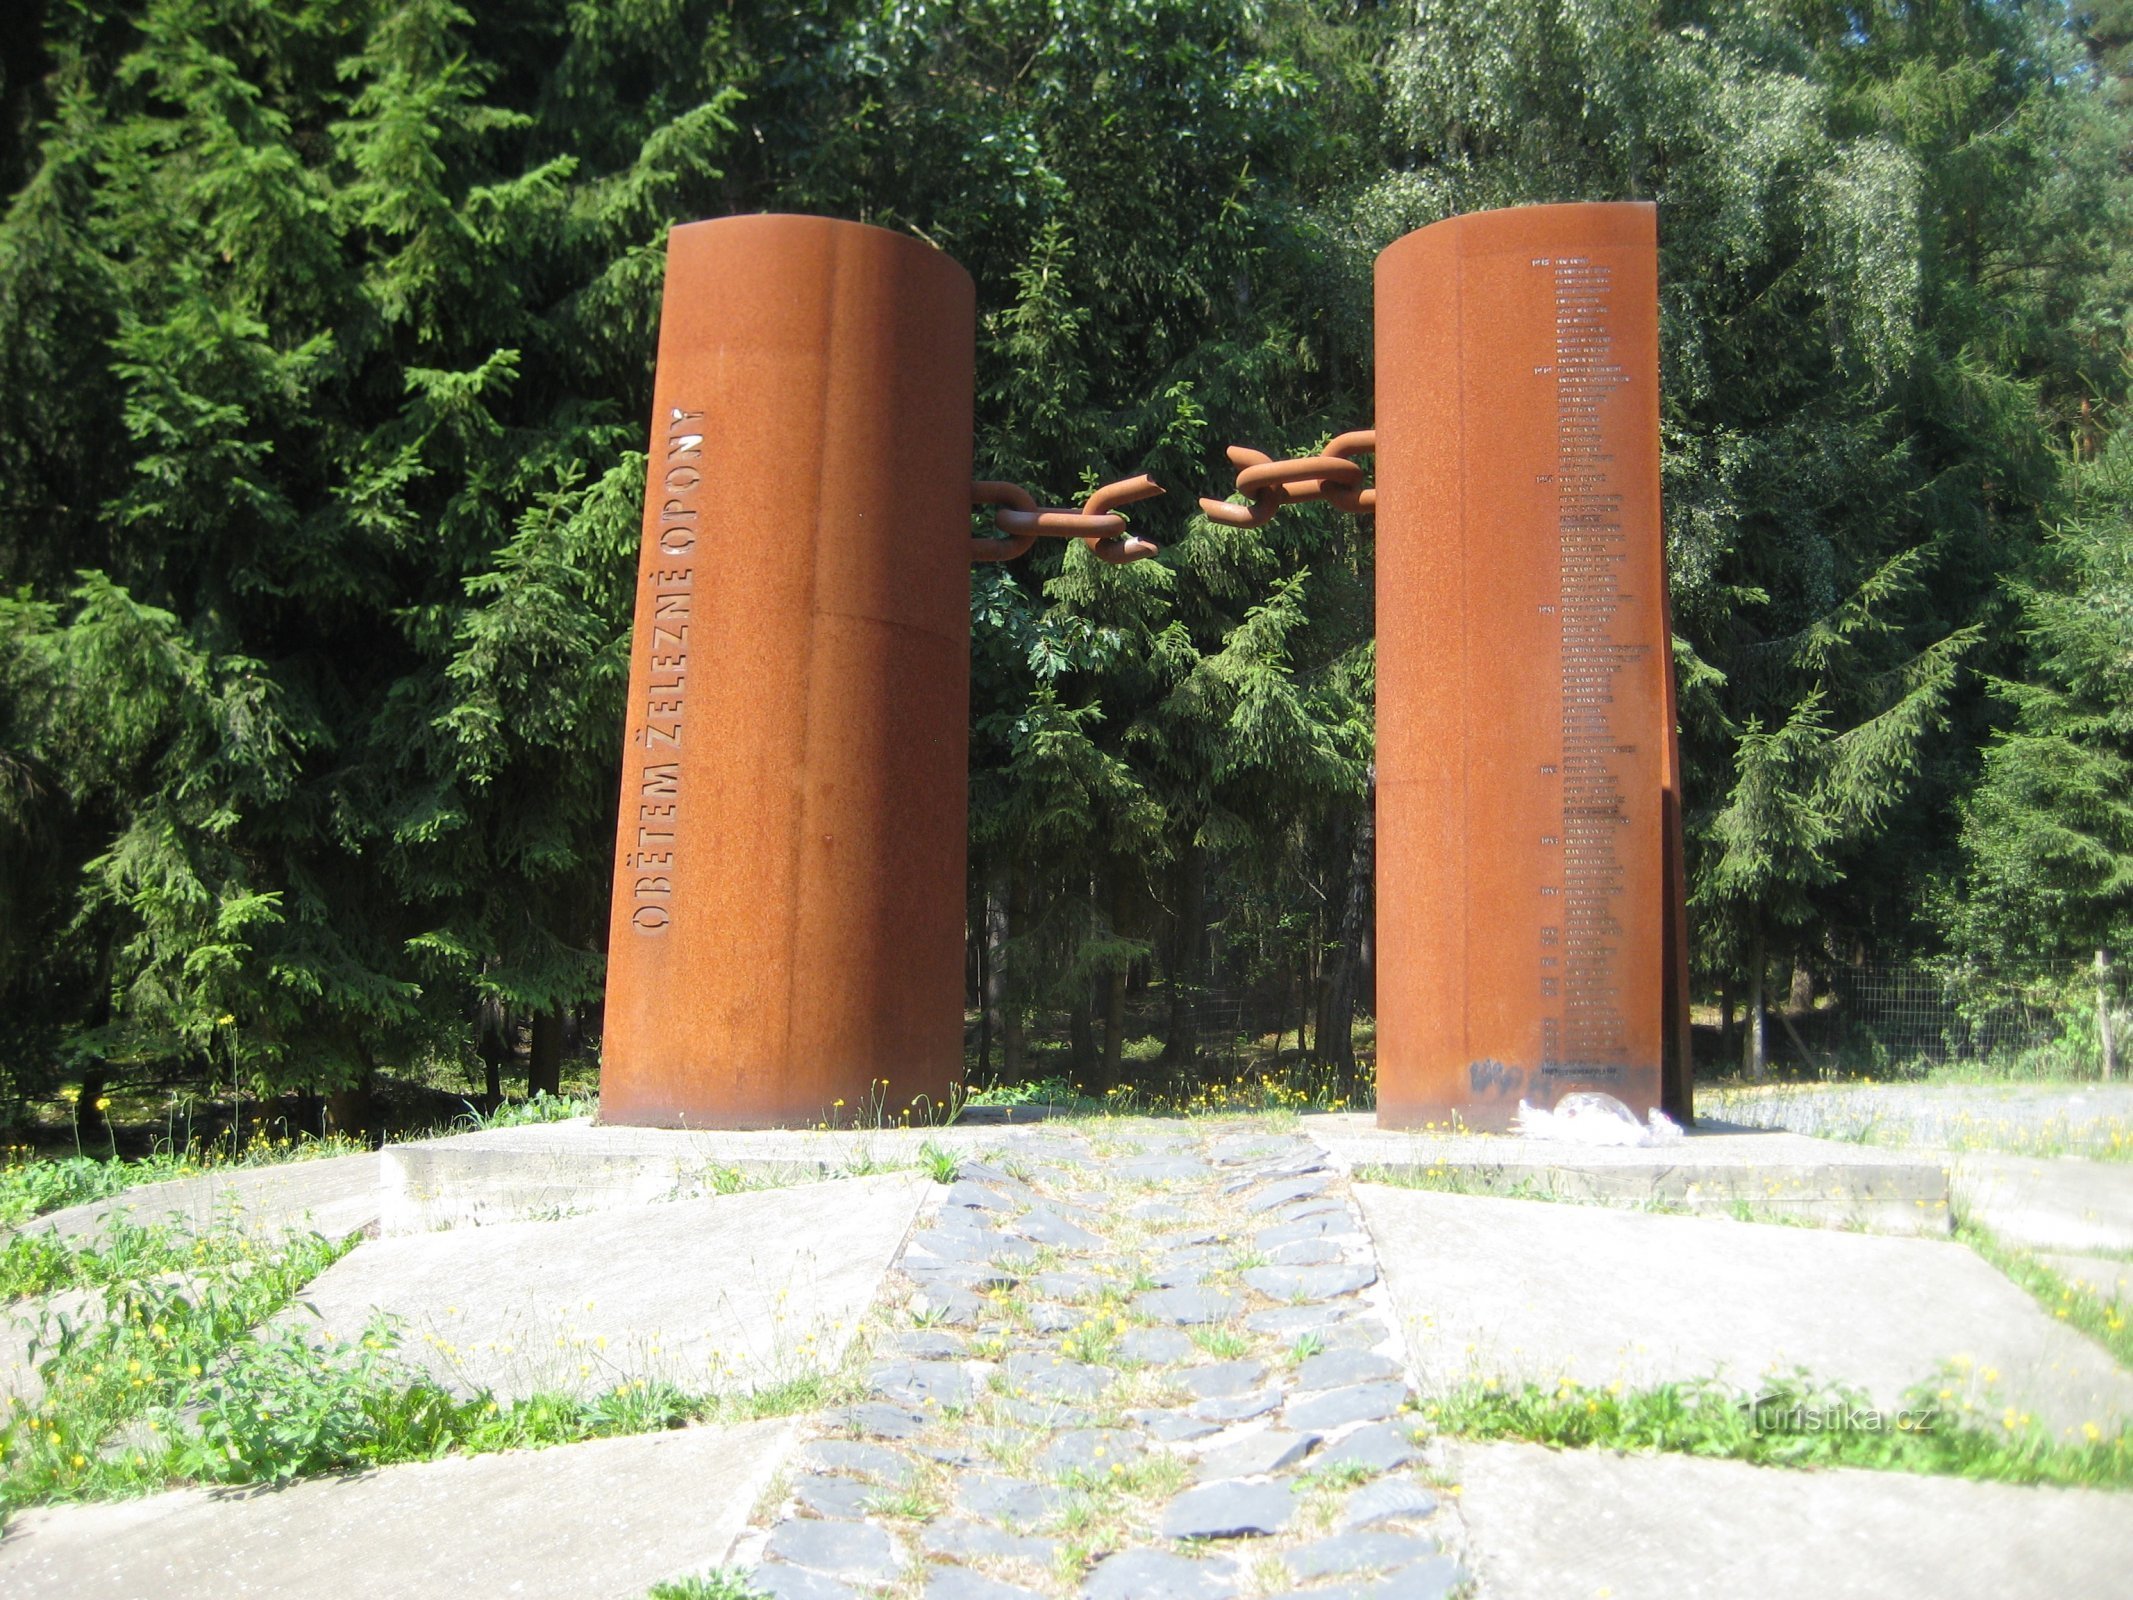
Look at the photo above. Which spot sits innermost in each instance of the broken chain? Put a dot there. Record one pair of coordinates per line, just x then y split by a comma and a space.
1017, 515
1332, 477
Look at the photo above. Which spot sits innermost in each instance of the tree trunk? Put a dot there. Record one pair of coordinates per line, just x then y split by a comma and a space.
1753, 1058
983, 933
999, 994
1114, 990
1081, 1041
544, 1062
1343, 983
1182, 1046
492, 1042
1726, 999
2104, 1028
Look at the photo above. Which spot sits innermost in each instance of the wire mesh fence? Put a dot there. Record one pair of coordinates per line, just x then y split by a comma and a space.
1898, 1018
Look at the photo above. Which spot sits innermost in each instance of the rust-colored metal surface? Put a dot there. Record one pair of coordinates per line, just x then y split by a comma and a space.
1096, 525
788, 904
1529, 882
1333, 477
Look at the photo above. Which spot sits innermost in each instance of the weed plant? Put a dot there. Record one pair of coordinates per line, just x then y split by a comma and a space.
726, 1583
1933, 1433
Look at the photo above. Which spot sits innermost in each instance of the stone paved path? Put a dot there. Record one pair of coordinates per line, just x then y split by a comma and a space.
1132, 1365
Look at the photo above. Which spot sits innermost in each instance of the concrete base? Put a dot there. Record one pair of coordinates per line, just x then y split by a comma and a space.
1566, 1525
564, 1168
1524, 1289
1718, 1169
735, 1292
2062, 1203
606, 1520
336, 1195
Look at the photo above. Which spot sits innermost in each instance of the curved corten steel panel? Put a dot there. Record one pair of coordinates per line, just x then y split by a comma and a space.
788, 910
1529, 894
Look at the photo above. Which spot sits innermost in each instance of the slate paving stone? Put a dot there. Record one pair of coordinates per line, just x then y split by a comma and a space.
1046, 1414
842, 1499
1304, 1210
960, 1583
1356, 1552
928, 1344
1005, 1499
1091, 1452
1048, 1227
1330, 1408
1224, 1379
874, 1419
776, 1581
932, 1272
1387, 1500
872, 1461
1048, 1318
1235, 1408
1383, 1446
1172, 1427
1048, 1377
940, 1383
977, 1196
1324, 1225
1162, 1169
1297, 1319
1158, 1211
977, 1246
854, 1551
985, 1235
1068, 1285
1281, 1193
1159, 1346
1158, 1575
960, 1539
947, 1306
1261, 1451
1311, 1283
1336, 1369
1187, 1306
1357, 1333
1229, 1510
1304, 1253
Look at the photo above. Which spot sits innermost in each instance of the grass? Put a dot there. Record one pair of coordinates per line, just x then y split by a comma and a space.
31, 1185
2069, 1302
1793, 1423
724, 1583
183, 1376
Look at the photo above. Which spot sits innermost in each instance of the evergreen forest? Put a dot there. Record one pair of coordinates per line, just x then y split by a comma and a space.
326, 344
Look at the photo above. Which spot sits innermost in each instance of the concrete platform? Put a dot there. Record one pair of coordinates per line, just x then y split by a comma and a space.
1717, 1168
1568, 1525
732, 1292
335, 1195
1526, 1289
598, 1521
2044, 1203
562, 1168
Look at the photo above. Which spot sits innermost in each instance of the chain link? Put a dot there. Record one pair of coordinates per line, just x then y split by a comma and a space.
1333, 477
1018, 515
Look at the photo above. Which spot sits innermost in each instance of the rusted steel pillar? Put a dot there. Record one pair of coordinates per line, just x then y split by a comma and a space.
787, 929
1529, 893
